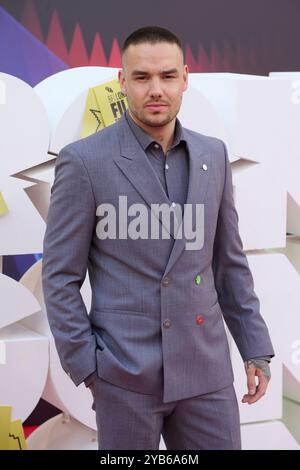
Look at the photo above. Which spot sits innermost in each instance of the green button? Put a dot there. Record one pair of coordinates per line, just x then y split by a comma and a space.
198, 279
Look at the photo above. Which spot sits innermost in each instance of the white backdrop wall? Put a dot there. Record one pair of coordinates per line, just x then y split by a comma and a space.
259, 119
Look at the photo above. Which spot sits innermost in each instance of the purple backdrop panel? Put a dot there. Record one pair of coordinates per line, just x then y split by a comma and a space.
24, 56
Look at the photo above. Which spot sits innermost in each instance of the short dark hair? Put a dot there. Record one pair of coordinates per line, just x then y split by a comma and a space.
152, 35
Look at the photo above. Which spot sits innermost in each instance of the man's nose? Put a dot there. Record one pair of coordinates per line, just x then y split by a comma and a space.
155, 88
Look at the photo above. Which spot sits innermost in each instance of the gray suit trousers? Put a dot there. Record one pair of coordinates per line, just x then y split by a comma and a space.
130, 420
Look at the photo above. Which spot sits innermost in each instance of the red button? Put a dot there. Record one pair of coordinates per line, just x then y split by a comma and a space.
200, 319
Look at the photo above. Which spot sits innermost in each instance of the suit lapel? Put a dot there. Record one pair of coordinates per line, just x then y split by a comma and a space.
197, 187
133, 162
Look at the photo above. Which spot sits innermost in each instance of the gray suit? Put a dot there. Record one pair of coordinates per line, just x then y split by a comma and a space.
153, 327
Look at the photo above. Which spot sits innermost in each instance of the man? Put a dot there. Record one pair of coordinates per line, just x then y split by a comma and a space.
153, 349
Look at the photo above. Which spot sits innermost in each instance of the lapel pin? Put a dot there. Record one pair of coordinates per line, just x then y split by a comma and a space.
204, 167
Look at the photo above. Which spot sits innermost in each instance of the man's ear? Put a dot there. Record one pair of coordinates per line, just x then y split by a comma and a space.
186, 76
121, 79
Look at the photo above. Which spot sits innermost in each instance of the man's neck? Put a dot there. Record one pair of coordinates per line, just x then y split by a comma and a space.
164, 135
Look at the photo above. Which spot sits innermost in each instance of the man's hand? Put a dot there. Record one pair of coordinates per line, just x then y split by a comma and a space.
92, 387
256, 368
90, 382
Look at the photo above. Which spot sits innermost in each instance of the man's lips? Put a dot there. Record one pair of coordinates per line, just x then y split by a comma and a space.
156, 106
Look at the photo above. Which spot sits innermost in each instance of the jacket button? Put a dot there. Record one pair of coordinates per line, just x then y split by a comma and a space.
198, 279
199, 319
167, 323
165, 281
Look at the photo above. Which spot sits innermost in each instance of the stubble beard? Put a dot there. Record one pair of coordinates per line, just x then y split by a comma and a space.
156, 121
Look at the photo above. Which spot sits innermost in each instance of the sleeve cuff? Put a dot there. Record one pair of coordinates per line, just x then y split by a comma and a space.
265, 358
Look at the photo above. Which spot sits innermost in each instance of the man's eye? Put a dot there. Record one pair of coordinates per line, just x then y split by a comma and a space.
169, 76
141, 78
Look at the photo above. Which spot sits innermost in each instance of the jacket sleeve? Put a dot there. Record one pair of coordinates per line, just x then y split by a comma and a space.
234, 282
70, 225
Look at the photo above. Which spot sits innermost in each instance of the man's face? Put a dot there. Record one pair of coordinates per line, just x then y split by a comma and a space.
153, 78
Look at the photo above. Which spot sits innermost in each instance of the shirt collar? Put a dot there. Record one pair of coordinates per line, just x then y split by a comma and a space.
146, 139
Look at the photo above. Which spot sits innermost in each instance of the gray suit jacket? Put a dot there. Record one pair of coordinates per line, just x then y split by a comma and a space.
151, 326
